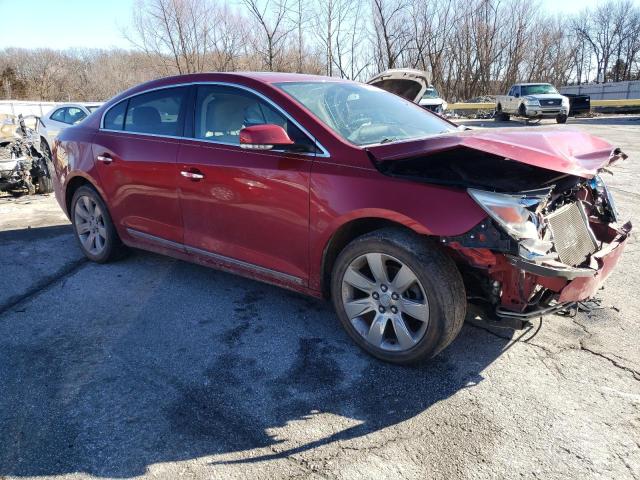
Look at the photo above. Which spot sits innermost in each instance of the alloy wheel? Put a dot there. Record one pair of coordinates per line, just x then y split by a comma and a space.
385, 302
90, 226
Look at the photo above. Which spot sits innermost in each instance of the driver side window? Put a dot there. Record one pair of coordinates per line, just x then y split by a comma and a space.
221, 112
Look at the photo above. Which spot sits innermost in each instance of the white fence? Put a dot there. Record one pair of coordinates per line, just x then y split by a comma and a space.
14, 107
605, 91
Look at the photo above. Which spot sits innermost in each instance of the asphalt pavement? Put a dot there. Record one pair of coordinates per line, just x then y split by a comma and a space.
157, 368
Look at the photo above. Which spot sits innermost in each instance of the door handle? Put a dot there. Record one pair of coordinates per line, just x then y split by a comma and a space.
196, 175
104, 158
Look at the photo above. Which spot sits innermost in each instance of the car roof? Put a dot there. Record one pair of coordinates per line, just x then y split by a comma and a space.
532, 83
78, 104
277, 77
73, 104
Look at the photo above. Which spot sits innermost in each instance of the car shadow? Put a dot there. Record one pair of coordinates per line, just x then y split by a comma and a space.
225, 375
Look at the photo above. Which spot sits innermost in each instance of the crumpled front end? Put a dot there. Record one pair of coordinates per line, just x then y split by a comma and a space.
552, 232
539, 252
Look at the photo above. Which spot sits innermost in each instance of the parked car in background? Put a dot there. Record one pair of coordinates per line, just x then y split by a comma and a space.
23, 165
342, 190
578, 104
414, 85
532, 101
61, 117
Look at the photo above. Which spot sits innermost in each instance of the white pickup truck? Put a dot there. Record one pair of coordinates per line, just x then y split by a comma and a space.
532, 101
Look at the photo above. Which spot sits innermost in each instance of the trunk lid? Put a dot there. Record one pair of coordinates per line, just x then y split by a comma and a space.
407, 83
567, 151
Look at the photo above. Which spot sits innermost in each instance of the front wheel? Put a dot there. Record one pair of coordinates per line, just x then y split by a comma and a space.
561, 119
400, 298
45, 182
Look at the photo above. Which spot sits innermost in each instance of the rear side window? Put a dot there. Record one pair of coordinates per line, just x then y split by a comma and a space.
74, 115
58, 115
160, 112
114, 119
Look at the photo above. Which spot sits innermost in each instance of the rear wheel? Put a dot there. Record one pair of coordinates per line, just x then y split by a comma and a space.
398, 297
93, 227
500, 116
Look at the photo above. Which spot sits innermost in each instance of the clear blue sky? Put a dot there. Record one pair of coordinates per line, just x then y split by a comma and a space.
98, 23
64, 23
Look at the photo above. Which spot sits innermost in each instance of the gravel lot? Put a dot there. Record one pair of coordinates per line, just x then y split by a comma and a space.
157, 368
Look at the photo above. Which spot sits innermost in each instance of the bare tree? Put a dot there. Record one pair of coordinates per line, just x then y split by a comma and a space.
175, 32
392, 34
469, 47
271, 19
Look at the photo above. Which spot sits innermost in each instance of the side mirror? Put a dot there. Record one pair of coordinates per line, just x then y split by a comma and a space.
517, 95
264, 137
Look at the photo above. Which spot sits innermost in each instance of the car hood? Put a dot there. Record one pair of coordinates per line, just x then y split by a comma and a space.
567, 151
543, 96
407, 83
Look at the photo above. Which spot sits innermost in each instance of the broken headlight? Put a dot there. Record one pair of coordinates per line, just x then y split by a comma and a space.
516, 215
604, 201
509, 211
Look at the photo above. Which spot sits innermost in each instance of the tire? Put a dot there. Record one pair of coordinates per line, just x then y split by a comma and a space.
82, 213
561, 119
522, 111
500, 116
437, 290
45, 183
44, 147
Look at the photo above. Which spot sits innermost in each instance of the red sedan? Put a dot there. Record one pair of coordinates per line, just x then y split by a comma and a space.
342, 190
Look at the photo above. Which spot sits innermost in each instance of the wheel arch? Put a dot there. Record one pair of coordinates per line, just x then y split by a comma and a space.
347, 232
73, 184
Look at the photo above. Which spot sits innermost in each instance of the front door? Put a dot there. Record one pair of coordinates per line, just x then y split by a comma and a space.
136, 153
243, 205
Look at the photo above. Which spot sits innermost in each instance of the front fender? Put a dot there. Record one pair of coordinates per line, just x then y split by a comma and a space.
340, 195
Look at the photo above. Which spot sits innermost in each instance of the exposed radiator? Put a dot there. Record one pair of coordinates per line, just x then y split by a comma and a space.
572, 236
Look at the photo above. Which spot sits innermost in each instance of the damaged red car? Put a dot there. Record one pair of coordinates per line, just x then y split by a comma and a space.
341, 190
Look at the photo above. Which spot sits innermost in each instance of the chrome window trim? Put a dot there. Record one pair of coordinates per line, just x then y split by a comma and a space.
215, 256
324, 152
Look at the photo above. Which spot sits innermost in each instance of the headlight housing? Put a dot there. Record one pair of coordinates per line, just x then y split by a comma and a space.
513, 213
509, 211
608, 205
531, 101
565, 102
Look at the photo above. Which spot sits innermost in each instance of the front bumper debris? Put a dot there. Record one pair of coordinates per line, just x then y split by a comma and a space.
526, 289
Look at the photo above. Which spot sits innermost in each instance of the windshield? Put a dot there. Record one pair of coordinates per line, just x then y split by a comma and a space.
93, 108
365, 115
537, 89
430, 92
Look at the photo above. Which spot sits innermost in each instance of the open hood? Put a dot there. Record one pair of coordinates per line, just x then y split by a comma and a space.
510, 160
405, 82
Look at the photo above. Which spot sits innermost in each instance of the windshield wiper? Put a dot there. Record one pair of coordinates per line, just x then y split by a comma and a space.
388, 139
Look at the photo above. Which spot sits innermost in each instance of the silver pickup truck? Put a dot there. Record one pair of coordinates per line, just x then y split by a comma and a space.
532, 101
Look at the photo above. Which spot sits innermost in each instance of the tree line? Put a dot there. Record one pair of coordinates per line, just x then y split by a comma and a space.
470, 48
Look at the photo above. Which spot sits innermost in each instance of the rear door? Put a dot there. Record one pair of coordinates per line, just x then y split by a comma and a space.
135, 153
245, 206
